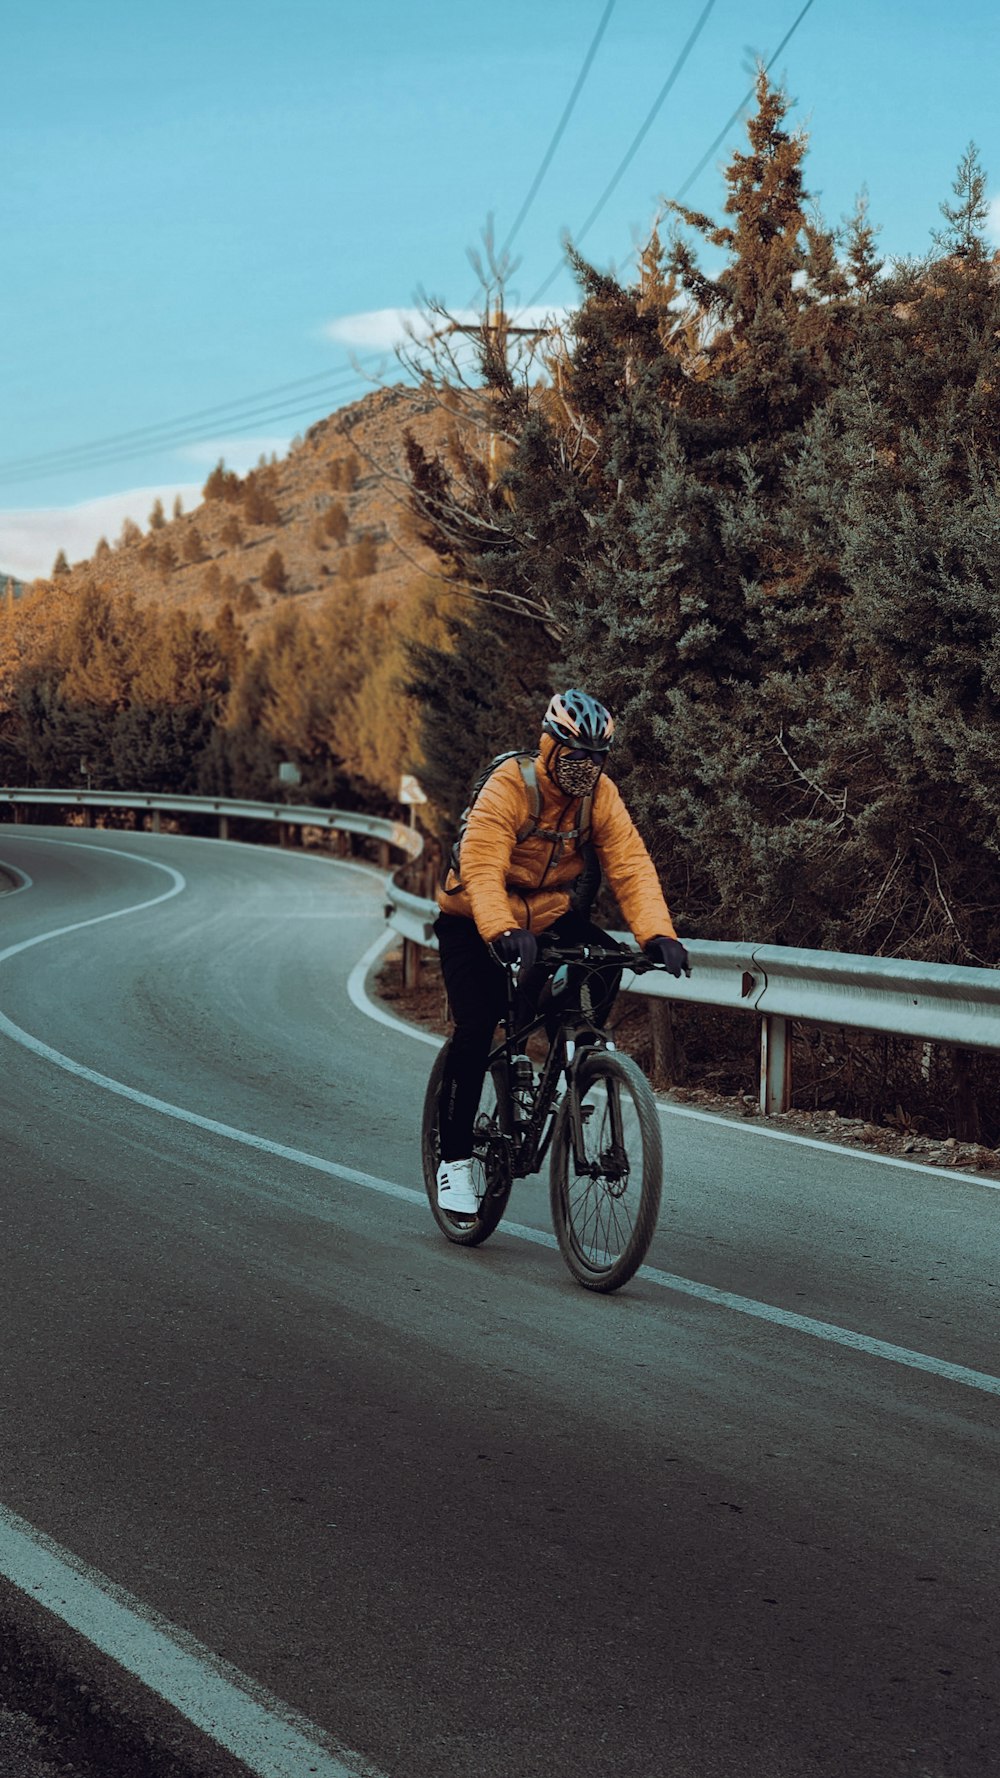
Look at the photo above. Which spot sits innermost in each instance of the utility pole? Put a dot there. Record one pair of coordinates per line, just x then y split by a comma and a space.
497, 325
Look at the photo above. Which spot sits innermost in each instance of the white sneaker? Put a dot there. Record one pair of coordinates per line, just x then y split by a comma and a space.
456, 1192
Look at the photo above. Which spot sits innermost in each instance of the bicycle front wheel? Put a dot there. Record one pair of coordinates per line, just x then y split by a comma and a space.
606, 1197
491, 1169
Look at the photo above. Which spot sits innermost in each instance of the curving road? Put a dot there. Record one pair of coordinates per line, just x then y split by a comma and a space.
463, 1517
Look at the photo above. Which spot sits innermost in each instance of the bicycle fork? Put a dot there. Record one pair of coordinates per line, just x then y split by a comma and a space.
611, 1162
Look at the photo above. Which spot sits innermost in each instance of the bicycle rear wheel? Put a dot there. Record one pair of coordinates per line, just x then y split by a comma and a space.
491, 1170
605, 1201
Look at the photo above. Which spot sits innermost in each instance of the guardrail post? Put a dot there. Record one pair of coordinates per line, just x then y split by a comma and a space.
18, 814
223, 827
156, 823
383, 855
661, 1030
775, 1064
411, 964
88, 815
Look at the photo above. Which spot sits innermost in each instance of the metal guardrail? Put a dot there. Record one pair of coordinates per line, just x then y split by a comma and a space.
935, 1002
373, 827
932, 1002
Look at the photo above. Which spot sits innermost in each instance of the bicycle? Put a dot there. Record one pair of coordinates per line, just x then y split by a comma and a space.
605, 1169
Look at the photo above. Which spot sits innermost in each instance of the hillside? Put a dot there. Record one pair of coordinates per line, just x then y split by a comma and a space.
334, 509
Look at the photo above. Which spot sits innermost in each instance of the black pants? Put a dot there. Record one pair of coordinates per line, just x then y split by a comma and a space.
477, 992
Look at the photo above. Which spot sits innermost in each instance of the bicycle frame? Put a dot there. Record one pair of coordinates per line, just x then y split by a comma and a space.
574, 1035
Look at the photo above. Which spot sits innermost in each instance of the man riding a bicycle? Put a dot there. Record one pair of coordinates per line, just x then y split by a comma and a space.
524, 867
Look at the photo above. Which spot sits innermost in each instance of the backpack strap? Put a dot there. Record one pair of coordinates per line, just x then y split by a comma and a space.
529, 776
526, 761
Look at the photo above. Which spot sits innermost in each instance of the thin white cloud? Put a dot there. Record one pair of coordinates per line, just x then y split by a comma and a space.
993, 221
240, 454
31, 539
382, 330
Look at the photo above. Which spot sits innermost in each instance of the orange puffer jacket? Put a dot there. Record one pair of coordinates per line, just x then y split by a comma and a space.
504, 883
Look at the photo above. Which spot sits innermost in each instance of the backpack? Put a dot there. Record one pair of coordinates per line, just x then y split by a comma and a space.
526, 762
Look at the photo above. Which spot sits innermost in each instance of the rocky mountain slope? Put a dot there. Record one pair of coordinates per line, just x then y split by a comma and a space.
334, 509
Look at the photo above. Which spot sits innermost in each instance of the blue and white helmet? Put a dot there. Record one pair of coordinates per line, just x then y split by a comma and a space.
575, 719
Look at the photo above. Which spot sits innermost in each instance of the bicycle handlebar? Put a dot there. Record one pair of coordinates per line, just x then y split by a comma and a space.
598, 956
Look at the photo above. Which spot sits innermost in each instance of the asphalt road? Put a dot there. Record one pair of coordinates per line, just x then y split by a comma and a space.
466, 1518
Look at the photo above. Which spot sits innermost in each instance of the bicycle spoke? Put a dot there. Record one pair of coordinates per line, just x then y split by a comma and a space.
605, 1198
490, 1164
603, 1201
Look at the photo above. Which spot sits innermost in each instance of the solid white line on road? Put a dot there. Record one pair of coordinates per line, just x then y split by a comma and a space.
372, 1010
769, 1312
805, 1324
356, 990
211, 1125
272, 1740
841, 1149
42, 938
828, 1331
12, 871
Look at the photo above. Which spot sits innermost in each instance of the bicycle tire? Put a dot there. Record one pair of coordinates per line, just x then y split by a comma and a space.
491, 1152
590, 1213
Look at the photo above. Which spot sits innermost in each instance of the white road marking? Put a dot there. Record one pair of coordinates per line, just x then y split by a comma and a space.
356, 990
42, 938
841, 1149
13, 870
828, 1331
372, 1010
272, 1740
806, 1324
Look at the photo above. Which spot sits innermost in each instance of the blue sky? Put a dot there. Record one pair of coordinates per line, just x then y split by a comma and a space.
205, 202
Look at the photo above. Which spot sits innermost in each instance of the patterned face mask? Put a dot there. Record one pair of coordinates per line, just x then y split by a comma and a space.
576, 776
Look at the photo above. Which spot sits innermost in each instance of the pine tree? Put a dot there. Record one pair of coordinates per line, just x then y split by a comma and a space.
222, 484
364, 557
259, 506
273, 575
863, 265
157, 518
335, 522
966, 218
343, 473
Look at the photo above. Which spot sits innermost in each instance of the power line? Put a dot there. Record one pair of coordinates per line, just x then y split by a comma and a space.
288, 409
634, 145
229, 414
559, 129
706, 157
740, 109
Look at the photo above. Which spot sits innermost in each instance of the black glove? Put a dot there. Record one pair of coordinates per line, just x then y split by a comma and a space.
670, 952
515, 947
